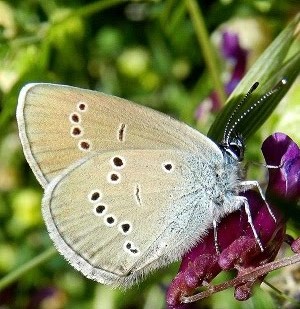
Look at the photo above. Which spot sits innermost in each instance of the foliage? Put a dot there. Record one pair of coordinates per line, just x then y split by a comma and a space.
145, 51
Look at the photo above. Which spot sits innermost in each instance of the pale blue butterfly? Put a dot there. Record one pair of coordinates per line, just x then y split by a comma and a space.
127, 189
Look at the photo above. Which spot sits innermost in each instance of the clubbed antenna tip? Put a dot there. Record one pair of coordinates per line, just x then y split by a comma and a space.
228, 131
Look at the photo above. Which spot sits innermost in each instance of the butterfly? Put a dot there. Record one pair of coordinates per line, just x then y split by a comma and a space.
127, 189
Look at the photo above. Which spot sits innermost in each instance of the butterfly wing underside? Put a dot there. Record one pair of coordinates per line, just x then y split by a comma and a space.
128, 217
59, 125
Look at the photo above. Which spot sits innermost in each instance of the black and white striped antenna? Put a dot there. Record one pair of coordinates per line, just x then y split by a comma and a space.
229, 126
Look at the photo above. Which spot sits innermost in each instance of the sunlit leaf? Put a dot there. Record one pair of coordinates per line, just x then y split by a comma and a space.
269, 70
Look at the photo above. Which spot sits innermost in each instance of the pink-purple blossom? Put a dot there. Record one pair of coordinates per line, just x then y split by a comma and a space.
284, 182
238, 247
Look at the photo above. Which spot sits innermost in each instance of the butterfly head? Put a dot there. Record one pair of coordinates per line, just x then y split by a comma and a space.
234, 148
233, 144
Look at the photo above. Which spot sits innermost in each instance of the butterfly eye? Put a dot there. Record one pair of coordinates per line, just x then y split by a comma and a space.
236, 148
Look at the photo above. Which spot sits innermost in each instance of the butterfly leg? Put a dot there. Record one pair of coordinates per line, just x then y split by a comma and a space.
243, 200
248, 184
215, 226
274, 166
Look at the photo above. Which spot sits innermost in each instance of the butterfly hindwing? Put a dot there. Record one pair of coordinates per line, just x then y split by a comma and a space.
119, 214
61, 124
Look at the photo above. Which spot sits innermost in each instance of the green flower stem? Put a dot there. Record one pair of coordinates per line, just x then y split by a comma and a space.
19, 272
206, 46
82, 12
95, 7
281, 294
166, 12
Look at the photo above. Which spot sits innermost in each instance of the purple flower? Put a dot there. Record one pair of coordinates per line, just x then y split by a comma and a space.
234, 54
45, 296
295, 246
239, 250
284, 182
238, 247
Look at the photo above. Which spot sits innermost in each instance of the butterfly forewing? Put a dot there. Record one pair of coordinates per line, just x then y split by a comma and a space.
61, 124
117, 215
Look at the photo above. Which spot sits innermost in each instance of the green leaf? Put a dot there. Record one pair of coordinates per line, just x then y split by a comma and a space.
272, 66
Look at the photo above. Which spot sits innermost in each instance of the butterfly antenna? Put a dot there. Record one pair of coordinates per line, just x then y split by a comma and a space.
277, 87
254, 86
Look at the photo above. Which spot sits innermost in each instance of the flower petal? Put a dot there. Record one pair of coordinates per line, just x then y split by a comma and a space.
280, 150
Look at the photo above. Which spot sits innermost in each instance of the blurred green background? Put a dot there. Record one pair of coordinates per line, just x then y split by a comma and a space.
145, 51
